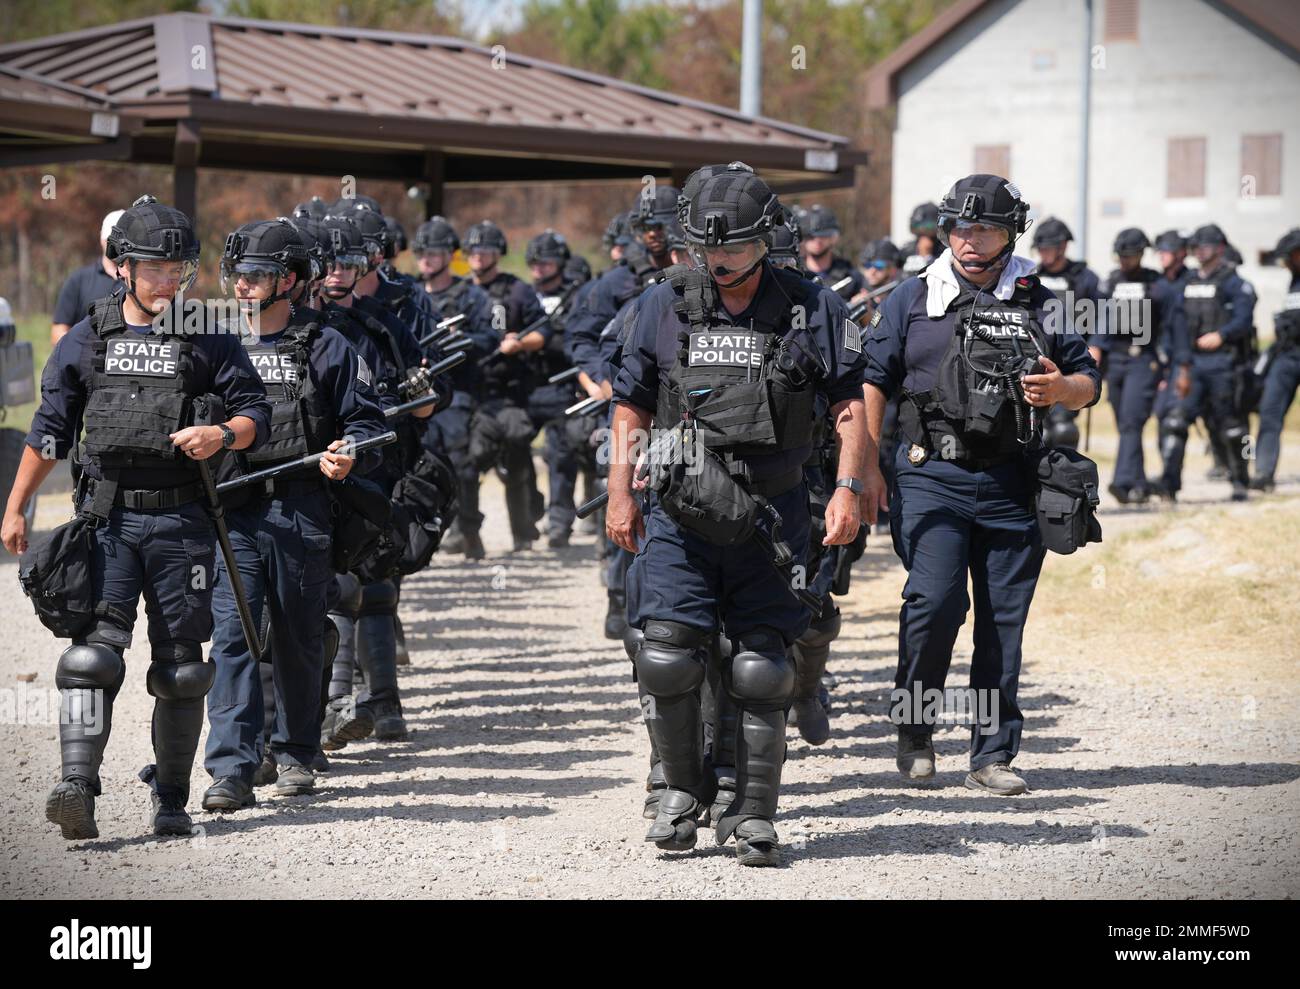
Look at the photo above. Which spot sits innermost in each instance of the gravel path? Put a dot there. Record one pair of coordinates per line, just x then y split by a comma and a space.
524, 774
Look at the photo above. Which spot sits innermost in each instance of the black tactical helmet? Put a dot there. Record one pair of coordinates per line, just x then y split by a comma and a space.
659, 208
1231, 254
396, 238
576, 269
883, 249
1131, 240
924, 220
345, 245
1052, 231
698, 177
618, 232
266, 245
485, 234
1171, 240
818, 221
315, 207
436, 234
983, 198
676, 236
785, 244
1211, 234
152, 231
372, 226
1290, 242
547, 246
342, 205
313, 236
731, 206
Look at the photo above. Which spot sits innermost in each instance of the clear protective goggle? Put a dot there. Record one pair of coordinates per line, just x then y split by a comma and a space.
158, 272
347, 262
255, 275
700, 253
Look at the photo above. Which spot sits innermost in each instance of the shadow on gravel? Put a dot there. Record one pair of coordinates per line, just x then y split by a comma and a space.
949, 840
490, 759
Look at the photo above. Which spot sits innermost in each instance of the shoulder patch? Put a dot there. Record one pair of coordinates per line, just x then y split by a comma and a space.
876, 318
852, 337
363, 371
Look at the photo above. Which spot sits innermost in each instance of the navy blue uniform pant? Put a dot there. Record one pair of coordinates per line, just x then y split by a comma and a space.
283, 549
1279, 392
546, 405
448, 433
1212, 398
678, 576
949, 522
1131, 382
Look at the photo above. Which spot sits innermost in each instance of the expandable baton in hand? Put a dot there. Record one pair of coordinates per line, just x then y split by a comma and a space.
441, 329
433, 398
658, 451
856, 312
563, 376
842, 284
496, 355
587, 405
218, 514
310, 460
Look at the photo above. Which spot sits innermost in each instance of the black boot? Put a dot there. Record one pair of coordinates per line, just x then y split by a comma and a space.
616, 615
176, 728
811, 650
760, 751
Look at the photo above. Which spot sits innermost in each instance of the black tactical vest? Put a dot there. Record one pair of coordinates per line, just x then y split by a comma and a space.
975, 411
551, 359
142, 387
451, 302
302, 416
1130, 309
1204, 304
1286, 324
1066, 280
392, 369
747, 390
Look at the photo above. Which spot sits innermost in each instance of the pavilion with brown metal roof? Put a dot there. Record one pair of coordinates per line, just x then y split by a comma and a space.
193, 91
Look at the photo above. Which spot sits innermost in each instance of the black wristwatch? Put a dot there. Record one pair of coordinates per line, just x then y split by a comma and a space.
852, 483
227, 436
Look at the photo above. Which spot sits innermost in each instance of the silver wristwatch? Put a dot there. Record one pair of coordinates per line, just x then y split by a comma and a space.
852, 483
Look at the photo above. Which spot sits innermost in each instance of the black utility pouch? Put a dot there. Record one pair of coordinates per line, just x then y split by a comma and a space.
1066, 494
701, 496
55, 575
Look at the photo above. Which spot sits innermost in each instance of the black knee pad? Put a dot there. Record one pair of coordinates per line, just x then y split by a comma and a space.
1174, 423
178, 672
89, 666
379, 598
670, 661
632, 639
349, 595
821, 632
761, 670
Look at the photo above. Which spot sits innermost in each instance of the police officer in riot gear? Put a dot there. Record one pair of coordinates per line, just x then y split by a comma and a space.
1076, 288
964, 346
546, 255
1283, 373
729, 359
819, 232
135, 376
502, 430
1219, 306
1171, 251
436, 242
281, 536
365, 613
924, 246
1141, 331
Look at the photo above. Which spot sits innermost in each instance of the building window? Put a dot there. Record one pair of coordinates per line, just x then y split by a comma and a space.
1121, 20
1261, 164
993, 159
1186, 175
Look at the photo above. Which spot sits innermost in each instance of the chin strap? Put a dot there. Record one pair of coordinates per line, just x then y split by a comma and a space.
716, 273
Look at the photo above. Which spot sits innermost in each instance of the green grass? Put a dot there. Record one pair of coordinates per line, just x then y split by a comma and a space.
35, 329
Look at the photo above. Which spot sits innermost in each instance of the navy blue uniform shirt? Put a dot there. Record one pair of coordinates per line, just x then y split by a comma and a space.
364, 344
652, 346
221, 368
592, 314
1168, 321
905, 347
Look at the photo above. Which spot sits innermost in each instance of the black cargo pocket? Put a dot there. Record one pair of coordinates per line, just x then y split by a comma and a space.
200, 574
735, 415
125, 420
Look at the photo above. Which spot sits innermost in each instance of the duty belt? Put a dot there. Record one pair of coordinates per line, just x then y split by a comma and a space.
144, 499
